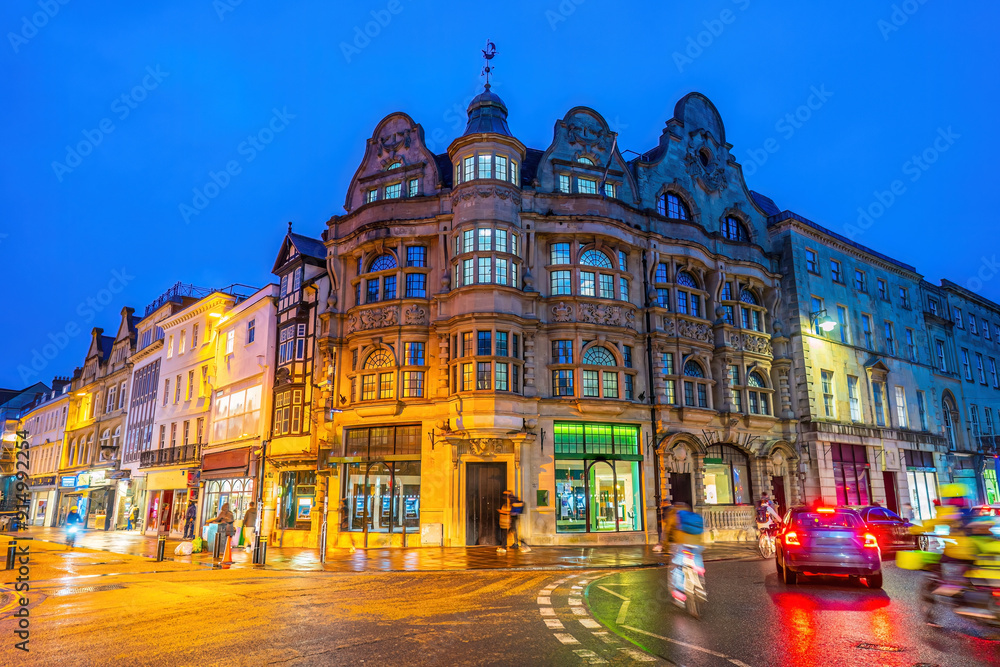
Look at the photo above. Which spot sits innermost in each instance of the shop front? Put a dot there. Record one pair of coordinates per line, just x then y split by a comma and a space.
73, 493
43, 500
991, 467
598, 478
100, 508
965, 470
168, 494
227, 477
921, 478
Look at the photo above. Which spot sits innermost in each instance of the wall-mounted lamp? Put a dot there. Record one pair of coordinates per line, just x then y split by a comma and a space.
822, 320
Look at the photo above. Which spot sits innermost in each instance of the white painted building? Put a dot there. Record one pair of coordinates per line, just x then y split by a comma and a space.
46, 427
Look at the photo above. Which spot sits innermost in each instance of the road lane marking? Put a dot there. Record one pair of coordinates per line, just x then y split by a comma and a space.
637, 655
554, 623
589, 623
591, 657
576, 602
617, 595
577, 588
622, 612
566, 638
605, 637
687, 645
579, 611
544, 600
547, 611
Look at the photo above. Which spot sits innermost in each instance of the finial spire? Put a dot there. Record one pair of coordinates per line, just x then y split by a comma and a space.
488, 54
289, 226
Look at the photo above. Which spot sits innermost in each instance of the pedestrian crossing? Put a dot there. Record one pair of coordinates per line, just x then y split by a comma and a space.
563, 609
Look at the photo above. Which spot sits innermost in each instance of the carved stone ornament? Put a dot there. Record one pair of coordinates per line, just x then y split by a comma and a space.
750, 343
415, 315
710, 174
695, 331
588, 139
596, 313
392, 142
562, 313
374, 318
485, 446
467, 194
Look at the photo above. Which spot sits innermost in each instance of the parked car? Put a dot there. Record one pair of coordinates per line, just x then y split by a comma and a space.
827, 541
891, 530
987, 510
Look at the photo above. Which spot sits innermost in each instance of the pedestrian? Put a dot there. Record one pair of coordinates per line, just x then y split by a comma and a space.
133, 517
225, 520
250, 525
74, 523
189, 519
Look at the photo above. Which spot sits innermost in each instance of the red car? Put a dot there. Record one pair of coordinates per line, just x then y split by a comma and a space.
891, 530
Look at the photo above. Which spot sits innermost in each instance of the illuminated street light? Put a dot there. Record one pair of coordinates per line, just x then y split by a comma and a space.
822, 320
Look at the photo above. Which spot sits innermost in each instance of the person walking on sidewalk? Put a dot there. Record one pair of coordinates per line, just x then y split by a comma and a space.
225, 521
189, 518
250, 524
133, 514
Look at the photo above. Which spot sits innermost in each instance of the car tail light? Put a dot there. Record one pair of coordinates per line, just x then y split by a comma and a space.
792, 539
870, 541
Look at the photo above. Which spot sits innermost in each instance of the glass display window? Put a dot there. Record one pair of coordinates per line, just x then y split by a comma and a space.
383, 496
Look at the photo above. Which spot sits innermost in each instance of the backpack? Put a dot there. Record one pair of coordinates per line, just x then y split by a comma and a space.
517, 507
690, 523
762, 516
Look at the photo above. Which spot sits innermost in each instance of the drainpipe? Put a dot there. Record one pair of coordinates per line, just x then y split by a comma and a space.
652, 396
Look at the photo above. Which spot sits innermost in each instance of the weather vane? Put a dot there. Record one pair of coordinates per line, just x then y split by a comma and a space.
488, 54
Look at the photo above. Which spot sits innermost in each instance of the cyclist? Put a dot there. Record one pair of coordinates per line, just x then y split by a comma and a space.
767, 517
683, 530
73, 524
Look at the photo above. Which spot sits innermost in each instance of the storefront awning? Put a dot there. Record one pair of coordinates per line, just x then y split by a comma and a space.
223, 465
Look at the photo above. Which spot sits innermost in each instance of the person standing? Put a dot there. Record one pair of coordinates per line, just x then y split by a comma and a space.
133, 517
189, 519
250, 525
225, 520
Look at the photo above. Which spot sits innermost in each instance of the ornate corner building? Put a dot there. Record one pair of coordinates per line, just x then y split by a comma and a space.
594, 334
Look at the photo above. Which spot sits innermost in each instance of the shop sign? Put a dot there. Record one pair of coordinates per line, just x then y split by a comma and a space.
44, 481
98, 477
193, 477
68, 481
83, 479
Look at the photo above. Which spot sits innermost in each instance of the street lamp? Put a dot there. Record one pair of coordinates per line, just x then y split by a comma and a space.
822, 320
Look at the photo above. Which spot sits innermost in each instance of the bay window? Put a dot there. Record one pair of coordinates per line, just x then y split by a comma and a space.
493, 257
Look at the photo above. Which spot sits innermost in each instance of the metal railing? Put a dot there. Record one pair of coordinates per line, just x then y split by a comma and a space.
170, 456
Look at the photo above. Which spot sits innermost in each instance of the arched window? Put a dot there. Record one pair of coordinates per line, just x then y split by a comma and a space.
383, 262
671, 206
759, 400
378, 359
596, 258
727, 476
602, 382
116, 438
692, 369
734, 230
395, 165
598, 356
686, 279
106, 438
585, 160
746, 303
950, 415
695, 388
601, 284
71, 454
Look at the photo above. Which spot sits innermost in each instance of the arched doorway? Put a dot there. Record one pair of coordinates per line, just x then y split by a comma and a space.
727, 476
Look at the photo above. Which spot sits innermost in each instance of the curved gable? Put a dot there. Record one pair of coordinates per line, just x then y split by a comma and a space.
396, 138
583, 132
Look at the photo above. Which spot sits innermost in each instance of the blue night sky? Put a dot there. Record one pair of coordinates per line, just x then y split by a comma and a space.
195, 86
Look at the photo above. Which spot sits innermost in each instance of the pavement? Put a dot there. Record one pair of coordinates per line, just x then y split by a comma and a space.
415, 559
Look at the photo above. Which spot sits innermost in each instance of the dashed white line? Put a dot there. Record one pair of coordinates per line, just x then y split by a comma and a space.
622, 612
566, 638
590, 657
554, 623
605, 637
575, 602
637, 655
544, 600
589, 623
547, 611
687, 645
579, 611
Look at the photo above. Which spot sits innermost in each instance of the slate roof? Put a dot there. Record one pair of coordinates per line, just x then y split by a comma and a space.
487, 114
532, 158
307, 246
766, 204
105, 343
444, 169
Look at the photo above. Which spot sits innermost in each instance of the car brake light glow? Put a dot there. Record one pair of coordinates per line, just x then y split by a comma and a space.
870, 541
826, 510
792, 539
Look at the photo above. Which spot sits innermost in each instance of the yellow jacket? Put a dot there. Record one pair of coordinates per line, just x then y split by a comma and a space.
673, 534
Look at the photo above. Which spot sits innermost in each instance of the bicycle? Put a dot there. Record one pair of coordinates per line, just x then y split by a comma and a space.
766, 541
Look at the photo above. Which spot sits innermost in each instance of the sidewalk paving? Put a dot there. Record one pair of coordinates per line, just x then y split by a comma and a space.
414, 559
